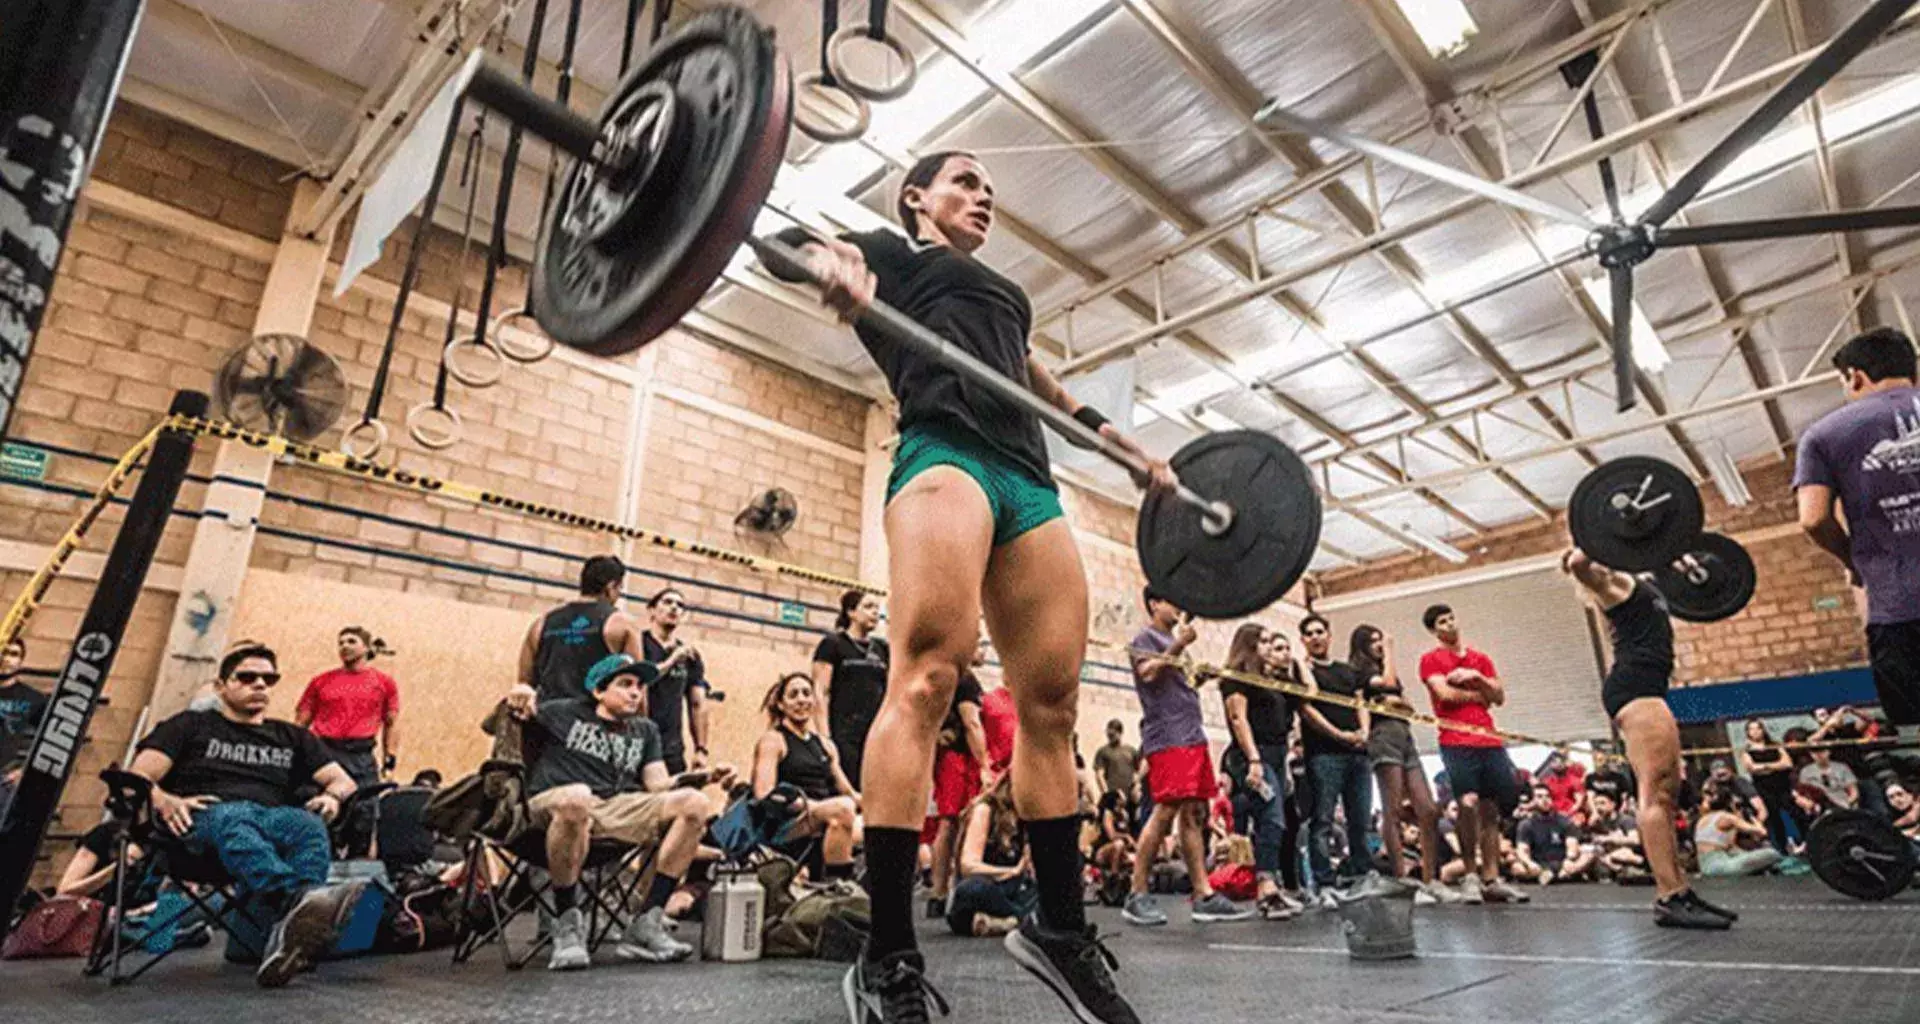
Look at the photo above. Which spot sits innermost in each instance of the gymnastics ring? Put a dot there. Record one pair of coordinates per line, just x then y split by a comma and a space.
533, 353
485, 372
854, 85
863, 114
418, 420
378, 443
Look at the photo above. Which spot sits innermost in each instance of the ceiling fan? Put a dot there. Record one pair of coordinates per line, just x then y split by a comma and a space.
1621, 245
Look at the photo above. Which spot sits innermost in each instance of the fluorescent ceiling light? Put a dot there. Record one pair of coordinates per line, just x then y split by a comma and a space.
1433, 544
1649, 352
1726, 477
1444, 25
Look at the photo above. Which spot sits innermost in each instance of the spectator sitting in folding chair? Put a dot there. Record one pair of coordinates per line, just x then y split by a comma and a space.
600, 772
226, 780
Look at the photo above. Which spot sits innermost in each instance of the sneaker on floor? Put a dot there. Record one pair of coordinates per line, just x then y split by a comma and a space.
569, 935
1501, 891
1423, 898
649, 941
1440, 892
1684, 910
1143, 910
1473, 892
1292, 899
1712, 908
1276, 907
936, 909
1077, 966
893, 990
1325, 900
303, 934
1217, 908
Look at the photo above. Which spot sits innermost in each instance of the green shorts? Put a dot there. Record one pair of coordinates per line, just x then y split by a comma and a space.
1017, 500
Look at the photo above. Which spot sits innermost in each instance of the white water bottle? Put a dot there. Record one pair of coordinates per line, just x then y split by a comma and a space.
736, 912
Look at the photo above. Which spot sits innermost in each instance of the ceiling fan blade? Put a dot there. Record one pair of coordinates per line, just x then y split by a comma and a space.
1838, 53
1836, 222
1621, 279
1576, 72
1274, 115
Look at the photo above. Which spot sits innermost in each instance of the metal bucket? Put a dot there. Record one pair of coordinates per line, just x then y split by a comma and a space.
1376, 916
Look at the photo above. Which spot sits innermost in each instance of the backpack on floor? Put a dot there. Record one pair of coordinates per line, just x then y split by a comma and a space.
827, 923
60, 926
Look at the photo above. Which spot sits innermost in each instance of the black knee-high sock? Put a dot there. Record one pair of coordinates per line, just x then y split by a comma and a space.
893, 854
1057, 872
566, 897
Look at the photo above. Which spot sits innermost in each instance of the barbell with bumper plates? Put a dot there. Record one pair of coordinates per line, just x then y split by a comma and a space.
1711, 580
1641, 515
1635, 514
665, 187
1861, 855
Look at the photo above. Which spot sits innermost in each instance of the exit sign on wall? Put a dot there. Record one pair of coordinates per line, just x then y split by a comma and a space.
793, 613
23, 462
1826, 603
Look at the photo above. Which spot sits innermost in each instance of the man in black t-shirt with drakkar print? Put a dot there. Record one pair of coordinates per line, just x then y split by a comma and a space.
227, 781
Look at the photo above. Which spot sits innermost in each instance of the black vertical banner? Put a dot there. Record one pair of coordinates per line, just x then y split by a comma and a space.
60, 66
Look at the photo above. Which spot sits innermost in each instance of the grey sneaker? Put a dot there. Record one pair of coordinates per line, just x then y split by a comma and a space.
1292, 899
648, 940
1216, 908
1143, 910
1498, 891
302, 935
569, 943
1439, 892
1472, 891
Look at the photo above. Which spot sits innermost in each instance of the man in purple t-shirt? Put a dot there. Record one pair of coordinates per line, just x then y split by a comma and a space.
1179, 769
1866, 455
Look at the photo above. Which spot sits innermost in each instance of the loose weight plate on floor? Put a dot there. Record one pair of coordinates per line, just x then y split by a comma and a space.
1275, 529
690, 142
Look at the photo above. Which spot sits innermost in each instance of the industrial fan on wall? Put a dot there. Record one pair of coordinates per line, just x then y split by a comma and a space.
1620, 245
772, 513
281, 384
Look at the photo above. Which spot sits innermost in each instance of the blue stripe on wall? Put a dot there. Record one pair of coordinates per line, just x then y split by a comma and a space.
1785, 695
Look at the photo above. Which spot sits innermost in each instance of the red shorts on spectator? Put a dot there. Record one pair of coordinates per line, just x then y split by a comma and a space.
956, 781
1181, 773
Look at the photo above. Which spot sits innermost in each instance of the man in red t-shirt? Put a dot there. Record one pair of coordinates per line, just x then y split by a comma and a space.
350, 706
1566, 782
1465, 688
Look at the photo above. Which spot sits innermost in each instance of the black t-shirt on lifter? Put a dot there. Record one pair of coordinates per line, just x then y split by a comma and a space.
267, 764
1335, 677
667, 696
581, 747
1642, 637
858, 686
967, 303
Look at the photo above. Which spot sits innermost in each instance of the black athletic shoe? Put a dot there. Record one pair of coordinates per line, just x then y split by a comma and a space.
1684, 910
1078, 967
1713, 908
891, 991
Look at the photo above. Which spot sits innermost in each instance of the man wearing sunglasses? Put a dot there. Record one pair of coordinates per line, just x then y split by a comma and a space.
227, 781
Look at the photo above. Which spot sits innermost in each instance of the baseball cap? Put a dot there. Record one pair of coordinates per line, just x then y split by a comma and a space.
612, 666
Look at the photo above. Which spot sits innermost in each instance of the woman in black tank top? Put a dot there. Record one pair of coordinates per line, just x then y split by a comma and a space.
996, 881
793, 753
1771, 769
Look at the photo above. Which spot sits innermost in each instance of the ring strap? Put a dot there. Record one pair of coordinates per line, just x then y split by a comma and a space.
876, 19
562, 90
470, 177
662, 13
509, 165
378, 391
829, 26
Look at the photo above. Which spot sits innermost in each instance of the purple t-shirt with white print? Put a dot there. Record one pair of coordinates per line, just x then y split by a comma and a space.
1868, 452
1169, 708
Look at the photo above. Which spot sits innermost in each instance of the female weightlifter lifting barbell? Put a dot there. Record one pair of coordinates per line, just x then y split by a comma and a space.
1635, 696
973, 521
